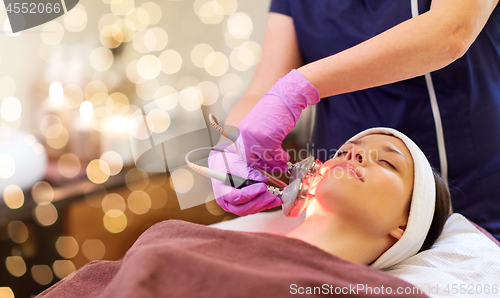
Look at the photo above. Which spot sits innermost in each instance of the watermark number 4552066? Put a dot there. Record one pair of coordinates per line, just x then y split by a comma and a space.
25, 14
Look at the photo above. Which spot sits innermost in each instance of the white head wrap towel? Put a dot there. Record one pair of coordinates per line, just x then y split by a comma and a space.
421, 207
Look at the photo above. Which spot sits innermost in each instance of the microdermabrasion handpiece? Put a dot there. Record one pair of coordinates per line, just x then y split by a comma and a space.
295, 197
228, 179
233, 137
215, 124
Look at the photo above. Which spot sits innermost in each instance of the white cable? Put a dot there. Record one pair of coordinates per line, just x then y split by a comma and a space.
435, 112
204, 170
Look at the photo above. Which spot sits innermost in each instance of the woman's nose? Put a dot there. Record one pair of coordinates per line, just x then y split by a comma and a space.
357, 155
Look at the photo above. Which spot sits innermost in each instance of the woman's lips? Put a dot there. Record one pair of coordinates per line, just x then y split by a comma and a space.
350, 167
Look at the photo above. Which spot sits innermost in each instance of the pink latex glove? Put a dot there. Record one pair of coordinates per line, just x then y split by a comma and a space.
248, 200
263, 130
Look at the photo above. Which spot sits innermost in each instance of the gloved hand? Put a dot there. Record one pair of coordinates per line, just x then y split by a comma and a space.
263, 130
248, 200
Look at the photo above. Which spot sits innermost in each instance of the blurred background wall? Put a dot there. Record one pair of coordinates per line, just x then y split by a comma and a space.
67, 90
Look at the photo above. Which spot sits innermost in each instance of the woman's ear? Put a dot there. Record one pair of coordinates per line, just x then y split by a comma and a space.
398, 232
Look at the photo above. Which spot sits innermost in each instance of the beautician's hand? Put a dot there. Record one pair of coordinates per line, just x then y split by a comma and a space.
263, 130
248, 200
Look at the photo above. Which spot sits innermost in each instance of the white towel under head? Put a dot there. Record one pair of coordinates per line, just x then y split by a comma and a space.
421, 207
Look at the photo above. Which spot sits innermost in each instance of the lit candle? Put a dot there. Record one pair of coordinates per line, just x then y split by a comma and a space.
116, 138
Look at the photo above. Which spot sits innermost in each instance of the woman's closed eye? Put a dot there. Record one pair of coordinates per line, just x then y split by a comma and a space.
388, 163
341, 153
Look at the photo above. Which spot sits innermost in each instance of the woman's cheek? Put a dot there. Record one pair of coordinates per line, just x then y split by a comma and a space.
332, 190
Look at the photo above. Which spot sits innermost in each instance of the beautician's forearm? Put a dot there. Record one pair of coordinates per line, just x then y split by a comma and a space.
412, 48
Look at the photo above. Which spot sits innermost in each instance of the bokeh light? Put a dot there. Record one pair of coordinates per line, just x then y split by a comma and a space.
111, 36
154, 12
94, 87
114, 161
63, 268
68, 165
136, 179
15, 265
166, 97
93, 249
211, 12
42, 192
181, 180
6, 292
241, 59
199, 53
216, 64
149, 67
67, 247
95, 171
115, 221
42, 274
171, 61
139, 127
139, 17
139, 202
240, 25
13, 197
108, 19
98, 98
56, 91
57, 136
113, 201
229, 6
46, 214
139, 42
189, 100
18, 232
121, 7
30, 140
209, 92
101, 58
155, 39
133, 73
10, 109
86, 110
160, 119
75, 20
118, 123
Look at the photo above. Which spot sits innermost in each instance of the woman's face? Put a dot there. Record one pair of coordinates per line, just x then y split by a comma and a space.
368, 184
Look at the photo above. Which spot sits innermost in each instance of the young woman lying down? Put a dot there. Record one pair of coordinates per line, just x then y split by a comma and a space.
379, 203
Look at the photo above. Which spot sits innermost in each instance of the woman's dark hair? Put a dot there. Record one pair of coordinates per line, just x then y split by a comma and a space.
442, 211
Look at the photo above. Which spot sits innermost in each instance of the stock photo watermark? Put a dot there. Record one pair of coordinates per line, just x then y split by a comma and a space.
353, 289
26, 14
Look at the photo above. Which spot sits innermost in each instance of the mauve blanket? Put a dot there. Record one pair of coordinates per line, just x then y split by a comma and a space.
180, 259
